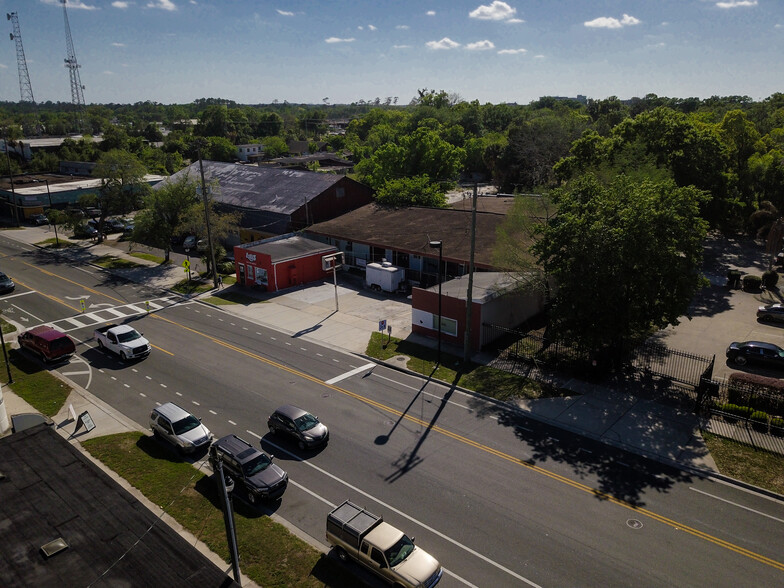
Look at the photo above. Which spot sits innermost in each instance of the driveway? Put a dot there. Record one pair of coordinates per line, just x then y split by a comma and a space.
719, 314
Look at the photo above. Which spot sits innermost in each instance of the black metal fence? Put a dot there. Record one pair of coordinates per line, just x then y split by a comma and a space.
746, 412
760, 435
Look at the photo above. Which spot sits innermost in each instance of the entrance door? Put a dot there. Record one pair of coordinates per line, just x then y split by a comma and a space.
241, 268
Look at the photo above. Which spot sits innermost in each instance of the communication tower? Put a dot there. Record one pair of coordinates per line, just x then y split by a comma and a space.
77, 94
25, 87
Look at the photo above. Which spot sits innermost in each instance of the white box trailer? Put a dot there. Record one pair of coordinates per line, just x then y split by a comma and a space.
384, 276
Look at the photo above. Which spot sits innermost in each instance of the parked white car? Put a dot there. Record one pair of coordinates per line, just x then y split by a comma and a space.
179, 427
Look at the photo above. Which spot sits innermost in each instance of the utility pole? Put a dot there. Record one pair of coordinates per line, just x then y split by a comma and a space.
469, 296
207, 220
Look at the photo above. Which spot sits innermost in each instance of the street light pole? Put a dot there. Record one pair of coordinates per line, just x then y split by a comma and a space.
440, 246
48, 193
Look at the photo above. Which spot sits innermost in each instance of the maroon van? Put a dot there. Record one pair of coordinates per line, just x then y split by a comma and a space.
47, 343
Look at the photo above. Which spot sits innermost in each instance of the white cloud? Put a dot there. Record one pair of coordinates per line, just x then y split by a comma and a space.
445, 43
118, 44
608, 22
480, 45
372, 28
284, 12
163, 5
777, 26
339, 40
540, 56
72, 4
3, 66
736, 3
515, 20
402, 27
107, 73
431, 13
360, 27
401, 46
495, 11
512, 51
120, 4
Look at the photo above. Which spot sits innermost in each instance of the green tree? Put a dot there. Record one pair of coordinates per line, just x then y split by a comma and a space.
222, 224
220, 149
422, 152
626, 259
164, 212
122, 183
533, 148
414, 191
274, 147
213, 122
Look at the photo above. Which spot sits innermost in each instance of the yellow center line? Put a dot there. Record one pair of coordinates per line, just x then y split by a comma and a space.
465, 440
495, 452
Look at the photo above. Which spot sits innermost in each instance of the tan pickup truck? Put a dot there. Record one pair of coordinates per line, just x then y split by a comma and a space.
387, 552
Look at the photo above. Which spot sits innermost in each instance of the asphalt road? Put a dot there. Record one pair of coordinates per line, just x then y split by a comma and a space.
499, 499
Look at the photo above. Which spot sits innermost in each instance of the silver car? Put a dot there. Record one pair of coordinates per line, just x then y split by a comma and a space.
179, 427
298, 424
771, 312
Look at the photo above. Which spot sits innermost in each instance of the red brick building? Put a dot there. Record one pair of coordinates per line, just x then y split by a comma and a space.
280, 262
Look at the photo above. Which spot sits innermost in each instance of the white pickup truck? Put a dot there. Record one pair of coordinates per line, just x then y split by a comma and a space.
122, 340
381, 548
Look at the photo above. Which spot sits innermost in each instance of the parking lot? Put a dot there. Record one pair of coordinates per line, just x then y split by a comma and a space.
720, 314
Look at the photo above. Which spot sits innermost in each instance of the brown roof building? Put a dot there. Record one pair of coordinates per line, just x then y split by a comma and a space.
402, 236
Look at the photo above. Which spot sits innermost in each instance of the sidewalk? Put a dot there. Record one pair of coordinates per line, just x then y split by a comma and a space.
617, 418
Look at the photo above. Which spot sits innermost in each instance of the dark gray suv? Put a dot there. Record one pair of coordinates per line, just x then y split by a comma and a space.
298, 424
249, 468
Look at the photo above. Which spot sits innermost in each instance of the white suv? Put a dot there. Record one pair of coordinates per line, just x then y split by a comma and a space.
179, 427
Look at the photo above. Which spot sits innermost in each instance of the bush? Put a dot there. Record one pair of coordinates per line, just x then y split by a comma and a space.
777, 426
751, 283
759, 392
226, 267
770, 278
759, 420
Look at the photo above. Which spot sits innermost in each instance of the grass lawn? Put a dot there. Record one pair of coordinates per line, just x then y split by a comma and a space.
33, 383
112, 262
742, 462
59, 243
197, 285
270, 555
147, 256
479, 378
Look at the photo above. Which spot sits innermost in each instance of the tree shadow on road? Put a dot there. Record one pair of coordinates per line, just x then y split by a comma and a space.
605, 471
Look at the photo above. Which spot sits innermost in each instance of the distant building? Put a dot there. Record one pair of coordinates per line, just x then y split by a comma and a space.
327, 162
249, 152
36, 193
77, 168
275, 201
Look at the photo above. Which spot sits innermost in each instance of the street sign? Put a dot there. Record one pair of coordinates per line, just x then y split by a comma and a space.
382, 325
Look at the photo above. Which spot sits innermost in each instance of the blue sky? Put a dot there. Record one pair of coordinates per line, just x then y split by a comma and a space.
257, 51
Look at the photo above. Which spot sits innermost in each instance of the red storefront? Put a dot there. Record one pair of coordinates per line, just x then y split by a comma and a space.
281, 262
